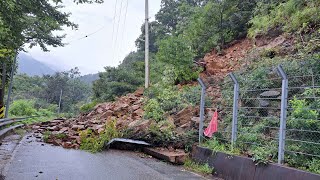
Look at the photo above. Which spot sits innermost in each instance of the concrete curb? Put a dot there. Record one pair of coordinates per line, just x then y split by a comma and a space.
230, 167
4, 132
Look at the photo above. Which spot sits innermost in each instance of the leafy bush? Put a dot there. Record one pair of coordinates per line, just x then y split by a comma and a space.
88, 107
161, 133
288, 16
314, 165
152, 110
22, 108
93, 142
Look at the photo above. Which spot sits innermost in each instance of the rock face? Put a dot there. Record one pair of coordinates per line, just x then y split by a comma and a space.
128, 113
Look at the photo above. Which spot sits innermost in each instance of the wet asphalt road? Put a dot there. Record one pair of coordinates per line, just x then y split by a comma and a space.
35, 160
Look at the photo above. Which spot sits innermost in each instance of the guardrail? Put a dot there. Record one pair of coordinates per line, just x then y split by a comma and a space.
8, 121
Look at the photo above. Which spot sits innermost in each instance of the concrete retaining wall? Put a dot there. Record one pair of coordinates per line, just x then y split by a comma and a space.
242, 168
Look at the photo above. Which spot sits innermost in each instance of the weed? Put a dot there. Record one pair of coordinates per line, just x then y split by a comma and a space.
90, 141
199, 168
60, 136
46, 136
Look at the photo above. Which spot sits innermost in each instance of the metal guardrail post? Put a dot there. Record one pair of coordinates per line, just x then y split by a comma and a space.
202, 103
235, 108
283, 115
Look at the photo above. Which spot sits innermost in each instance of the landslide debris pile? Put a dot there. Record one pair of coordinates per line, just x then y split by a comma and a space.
219, 64
128, 112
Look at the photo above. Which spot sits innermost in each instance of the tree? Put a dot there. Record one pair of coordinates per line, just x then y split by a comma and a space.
217, 23
175, 51
155, 32
31, 22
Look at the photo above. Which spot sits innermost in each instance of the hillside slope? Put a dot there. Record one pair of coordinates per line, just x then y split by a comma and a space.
32, 67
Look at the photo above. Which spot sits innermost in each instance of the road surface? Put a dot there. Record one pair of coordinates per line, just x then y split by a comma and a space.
35, 160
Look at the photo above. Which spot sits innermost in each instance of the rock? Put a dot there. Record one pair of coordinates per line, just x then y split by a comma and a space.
99, 110
107, 114
263, 103
183, 116
196, 119
134, 123
97, 127
186, 125
270, 94
138, 112
139, 92
78, 127
100, 130
67, 145
53, 128
135, 107
35, 127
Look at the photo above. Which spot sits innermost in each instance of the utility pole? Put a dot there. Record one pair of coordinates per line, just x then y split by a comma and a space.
60, 102
147, 69
10, 86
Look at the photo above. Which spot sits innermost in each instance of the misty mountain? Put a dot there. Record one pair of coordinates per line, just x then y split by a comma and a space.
32, 67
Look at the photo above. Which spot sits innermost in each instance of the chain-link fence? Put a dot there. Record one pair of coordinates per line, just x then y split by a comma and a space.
273, 110
218, 96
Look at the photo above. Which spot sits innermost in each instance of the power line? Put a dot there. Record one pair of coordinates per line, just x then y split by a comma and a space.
124, 24
116, 41
88, 35
114, 20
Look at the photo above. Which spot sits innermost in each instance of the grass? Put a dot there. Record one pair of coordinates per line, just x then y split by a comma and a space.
46, 136
198, 168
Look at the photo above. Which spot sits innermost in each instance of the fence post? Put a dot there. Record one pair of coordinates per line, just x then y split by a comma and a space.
283, 115
202, 103
235, 108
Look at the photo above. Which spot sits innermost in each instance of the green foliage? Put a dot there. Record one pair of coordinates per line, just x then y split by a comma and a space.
176, 52
262, 155
314, 165
161, 133
197, 167
152, 110
93, 142
287, 16
32, 22
88, 107
217, 23
118, 81
45, 91
301, 110
22, 108
164, 98
46, 136
217, 146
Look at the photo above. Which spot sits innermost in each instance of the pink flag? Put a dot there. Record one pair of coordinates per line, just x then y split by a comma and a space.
213, 125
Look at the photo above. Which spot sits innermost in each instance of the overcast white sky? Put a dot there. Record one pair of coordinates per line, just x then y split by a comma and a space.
93, 53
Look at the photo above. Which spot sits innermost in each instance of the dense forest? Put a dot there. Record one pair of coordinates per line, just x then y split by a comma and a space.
181, 35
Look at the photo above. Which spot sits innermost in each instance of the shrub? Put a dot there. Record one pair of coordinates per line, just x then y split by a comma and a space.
22, 108
289, 16
152, 110
197, 167
88, 107
93, 142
